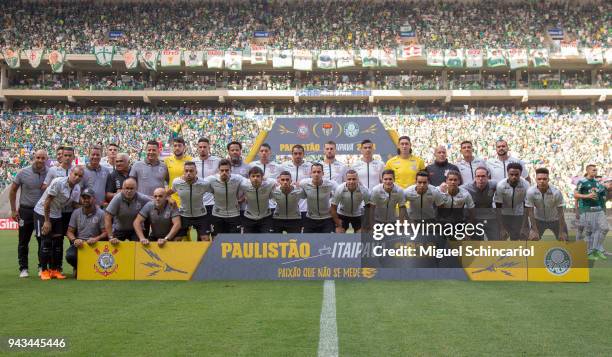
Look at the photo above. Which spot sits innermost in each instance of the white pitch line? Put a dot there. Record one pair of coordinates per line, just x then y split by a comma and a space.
328, 336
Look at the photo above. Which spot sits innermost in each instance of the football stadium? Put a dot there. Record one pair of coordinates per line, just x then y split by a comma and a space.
306, 177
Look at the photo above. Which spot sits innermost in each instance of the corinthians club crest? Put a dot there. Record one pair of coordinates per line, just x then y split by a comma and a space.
106, 264
557, 261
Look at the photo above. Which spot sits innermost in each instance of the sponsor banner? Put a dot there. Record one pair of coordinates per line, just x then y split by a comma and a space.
388, 57
233, 60
569, 49
34, 56
473, 58
411, 51
326, 59
282, 59
302, 60
453, 58
539, 57
56, 60
104, 55
518, 58
131, 59
171, 58
193, 58
593, 55
495, 57
314, 132
345, 58
369, 57
149, 59
214, 58
435, 57
12, 57
259, 54
8, 224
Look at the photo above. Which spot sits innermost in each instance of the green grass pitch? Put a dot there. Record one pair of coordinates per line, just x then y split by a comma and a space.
268, 318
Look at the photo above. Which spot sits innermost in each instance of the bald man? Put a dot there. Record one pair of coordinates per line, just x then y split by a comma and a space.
440, 167
30, 181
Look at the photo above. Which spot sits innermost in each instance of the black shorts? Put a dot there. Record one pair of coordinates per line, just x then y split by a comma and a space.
325, 225
57, 227
66, 222
263, 225
126, 235
286, 225
225, 225
353, 221
200, 224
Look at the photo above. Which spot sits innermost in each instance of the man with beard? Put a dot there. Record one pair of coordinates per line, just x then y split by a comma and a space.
299, 170
544, 204
333, 169
239, 167
287, 216
257, 192
499, 165
350, 201
207, 165
115, 179
176, 162
510, 202
423, 198
483, 191
405, 165
318, 191
225, 188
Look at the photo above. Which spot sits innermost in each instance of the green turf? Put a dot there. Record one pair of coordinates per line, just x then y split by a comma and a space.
375, 318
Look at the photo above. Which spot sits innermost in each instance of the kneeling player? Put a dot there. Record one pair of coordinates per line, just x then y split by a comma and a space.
287, 216
544, 205
348, 203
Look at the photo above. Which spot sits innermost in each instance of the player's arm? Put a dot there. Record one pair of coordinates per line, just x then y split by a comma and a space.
534, 231
138, 228
562, 224
13, 201
46, 228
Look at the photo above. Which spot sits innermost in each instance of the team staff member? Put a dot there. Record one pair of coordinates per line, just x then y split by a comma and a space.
333, 169
405, 165
368, 169
318, 191
299, 170
257, 192
95, 175
498, 166
225, 188
483, 192
163, 219
423, 199
544, 205
287, 216
150, 173
30, 181
385, 197
86, 226
468, 164
122, 210
510, 196
115, 179
190, 189
176, 162
62, 192
349, 203
440, 167
207, 165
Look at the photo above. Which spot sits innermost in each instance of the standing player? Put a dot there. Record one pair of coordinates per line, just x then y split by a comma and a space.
333, 169
318, 191
270, 169
469, 163
510, 201
225, 188
544, 205
299, 170
499, 165
30, 181
385, 197
190, 189
207, 165
349, 203
108, 161
62, 192
121, 212
176, 162
405, 165
239, 167
591, 196
163, 218
440, 168
150, 173
257, 192
368, 169
287, 216
423, 198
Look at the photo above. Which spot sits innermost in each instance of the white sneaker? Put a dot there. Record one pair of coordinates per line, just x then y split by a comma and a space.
39, 272
24, 273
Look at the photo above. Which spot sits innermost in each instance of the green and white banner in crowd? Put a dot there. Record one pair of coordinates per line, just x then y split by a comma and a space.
104, 55
388, 57
171, 58
56, 60
12, 57
495, 57
608, 56
435, 57
149, 59
193, 58
282, 59
345, 58
453, 58
259, 55
593, 55
539, 57
34, 56
517, 58
326, 59
233, 60
473, 58
130, 58
214, 59
302, 60
369, 57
